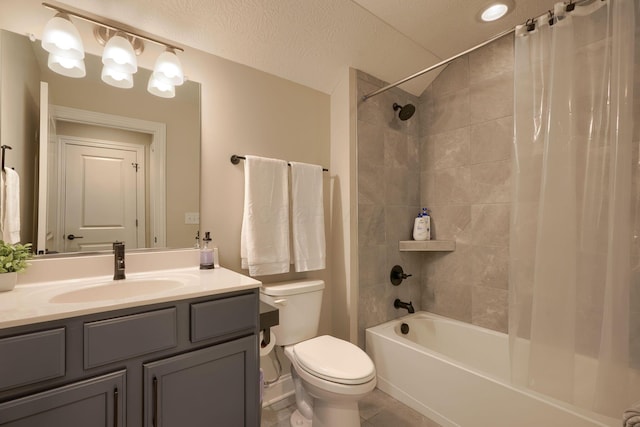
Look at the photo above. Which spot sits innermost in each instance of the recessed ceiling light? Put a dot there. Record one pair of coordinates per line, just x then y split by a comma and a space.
494, 11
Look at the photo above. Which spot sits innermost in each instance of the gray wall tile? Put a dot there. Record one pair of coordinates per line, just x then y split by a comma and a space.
453, 156
491, 140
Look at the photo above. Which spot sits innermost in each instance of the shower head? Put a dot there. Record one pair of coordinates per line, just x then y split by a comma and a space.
405, 112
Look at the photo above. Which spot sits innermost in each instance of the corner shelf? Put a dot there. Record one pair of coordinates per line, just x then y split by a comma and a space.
427, 245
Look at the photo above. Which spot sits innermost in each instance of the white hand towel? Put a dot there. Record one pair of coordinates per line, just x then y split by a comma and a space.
264, 244
309, 246
11, 206
631, 417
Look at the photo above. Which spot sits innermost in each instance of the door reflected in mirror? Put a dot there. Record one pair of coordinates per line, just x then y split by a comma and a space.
115, 164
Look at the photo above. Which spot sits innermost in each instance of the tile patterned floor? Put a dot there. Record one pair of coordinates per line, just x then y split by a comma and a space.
378, 409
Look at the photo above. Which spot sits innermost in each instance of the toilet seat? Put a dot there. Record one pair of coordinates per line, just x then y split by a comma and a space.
334, 360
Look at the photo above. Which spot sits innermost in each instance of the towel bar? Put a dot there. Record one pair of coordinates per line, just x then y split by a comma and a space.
235, 159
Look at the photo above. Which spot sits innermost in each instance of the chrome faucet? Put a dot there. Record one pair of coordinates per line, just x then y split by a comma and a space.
406, 305
118, 261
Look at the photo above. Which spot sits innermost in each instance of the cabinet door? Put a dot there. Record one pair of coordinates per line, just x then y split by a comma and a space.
97, 402
214, 386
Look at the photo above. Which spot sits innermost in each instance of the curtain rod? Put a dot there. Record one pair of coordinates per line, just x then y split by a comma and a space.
439, 64
572, 4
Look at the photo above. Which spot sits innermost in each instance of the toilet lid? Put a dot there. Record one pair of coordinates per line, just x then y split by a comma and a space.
334, 360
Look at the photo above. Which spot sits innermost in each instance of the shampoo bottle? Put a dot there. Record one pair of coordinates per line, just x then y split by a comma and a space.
419, 228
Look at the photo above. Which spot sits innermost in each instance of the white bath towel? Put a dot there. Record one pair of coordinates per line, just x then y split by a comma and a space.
309, 246
264, 244
631, 417
10, 212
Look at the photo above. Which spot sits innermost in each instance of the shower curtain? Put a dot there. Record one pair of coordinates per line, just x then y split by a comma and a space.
574, 301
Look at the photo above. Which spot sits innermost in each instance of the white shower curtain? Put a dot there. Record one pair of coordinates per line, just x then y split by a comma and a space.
574, 222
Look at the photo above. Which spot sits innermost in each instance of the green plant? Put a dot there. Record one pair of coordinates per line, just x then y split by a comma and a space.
13, 257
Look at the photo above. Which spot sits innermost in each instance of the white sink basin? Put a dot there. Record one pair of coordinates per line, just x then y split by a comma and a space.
118, 289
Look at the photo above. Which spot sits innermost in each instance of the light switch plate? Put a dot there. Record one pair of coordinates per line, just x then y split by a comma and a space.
192, 218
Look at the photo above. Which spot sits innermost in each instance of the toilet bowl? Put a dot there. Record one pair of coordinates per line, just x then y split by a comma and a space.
330, 375
336, 374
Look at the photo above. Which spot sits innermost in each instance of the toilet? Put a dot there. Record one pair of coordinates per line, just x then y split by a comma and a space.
330, 375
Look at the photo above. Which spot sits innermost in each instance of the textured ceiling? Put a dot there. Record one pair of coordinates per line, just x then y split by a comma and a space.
311, 42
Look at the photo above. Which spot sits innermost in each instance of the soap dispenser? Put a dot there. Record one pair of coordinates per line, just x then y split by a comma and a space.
206, 253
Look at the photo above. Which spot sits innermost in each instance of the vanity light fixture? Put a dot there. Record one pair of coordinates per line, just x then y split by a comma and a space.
63, 42
121, 45
160, 87
116, 78
494, 11
61, 38
119, 62
168, 67
167, 74
66, 66
118, 54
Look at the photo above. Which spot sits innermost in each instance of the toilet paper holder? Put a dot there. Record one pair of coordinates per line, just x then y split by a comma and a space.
266, 337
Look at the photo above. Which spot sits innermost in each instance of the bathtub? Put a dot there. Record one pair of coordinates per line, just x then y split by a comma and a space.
457, 374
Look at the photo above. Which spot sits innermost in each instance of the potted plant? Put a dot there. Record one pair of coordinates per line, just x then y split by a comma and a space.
13, 259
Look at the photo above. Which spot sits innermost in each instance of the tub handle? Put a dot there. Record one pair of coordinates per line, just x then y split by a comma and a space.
397, 275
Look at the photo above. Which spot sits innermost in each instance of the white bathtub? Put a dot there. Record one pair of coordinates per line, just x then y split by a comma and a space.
457, 374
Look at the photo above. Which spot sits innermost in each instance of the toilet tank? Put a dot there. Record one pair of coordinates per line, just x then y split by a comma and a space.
298, 304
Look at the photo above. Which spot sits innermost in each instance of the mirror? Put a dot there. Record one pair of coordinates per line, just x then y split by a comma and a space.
91, 125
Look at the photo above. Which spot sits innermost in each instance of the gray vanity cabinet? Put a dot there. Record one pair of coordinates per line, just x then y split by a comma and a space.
190, 363
200, 388
96, 402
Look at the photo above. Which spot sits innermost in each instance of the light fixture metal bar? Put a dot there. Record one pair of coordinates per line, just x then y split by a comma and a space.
114, 25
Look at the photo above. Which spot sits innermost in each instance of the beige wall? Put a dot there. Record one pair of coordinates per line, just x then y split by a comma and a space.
246, 111
19, 112
344, 208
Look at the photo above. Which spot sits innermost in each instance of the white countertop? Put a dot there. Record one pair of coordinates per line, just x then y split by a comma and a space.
44, 301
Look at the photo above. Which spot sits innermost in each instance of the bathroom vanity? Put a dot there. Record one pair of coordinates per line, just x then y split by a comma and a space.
185, 356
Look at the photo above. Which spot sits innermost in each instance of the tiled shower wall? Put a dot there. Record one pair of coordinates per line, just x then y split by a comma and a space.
453, 156
466, 131
388, 201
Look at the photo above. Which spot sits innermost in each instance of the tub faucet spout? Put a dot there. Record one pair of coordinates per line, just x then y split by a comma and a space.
406, 305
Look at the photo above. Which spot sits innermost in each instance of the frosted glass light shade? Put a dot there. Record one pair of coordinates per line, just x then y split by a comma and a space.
67, 67
118, 55
116, 78
161, 87
168, 67
61, 38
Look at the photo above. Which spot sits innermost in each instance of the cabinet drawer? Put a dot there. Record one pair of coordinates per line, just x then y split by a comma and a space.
29, 358
223, 316
120, 338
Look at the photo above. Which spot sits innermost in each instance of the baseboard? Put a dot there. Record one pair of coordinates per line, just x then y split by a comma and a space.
279, 390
